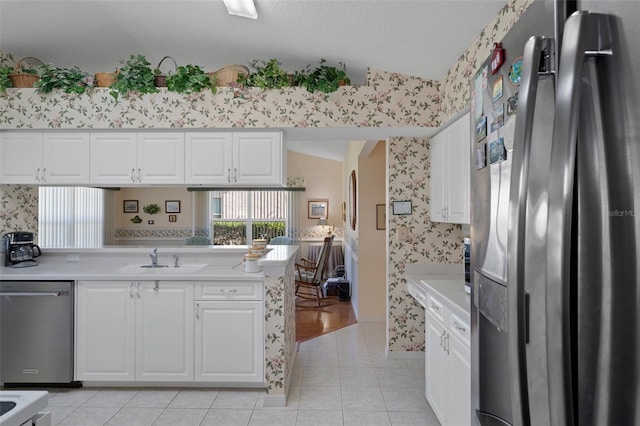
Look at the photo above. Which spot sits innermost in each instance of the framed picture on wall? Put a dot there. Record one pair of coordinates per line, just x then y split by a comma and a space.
402, 207
172, 206
381, 216
318, 209
130, 206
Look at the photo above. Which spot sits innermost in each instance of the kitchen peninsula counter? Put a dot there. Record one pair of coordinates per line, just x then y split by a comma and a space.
198, 305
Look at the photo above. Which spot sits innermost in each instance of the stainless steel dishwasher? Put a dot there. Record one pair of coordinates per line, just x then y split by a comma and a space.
36, 332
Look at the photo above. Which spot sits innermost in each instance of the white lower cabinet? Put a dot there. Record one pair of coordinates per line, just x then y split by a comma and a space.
229, 332
226, 342
447, 362
170, 331
134, 330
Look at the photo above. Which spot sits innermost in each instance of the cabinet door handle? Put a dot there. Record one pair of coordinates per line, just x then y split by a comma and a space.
228, 290
156, 287
139, 175
441, 340
229, 175
43, 176
459, 327
131, 290
435, 307
138, 289
197, 311
235, 175
133, 175
446, 343
38, 175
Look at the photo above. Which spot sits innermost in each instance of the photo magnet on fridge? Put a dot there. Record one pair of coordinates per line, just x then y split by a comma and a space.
481, 129
512, 104
497, 151
497, 89
497, 118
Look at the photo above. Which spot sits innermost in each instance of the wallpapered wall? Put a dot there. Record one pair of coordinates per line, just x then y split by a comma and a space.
408, 170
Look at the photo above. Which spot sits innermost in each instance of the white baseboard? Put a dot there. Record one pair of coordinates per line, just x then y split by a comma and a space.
404, 354
275, 401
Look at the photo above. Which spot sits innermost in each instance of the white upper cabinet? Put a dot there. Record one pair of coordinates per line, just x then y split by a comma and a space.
258, 158
51, 158
450, 173
209, 157
238, 158
133, 158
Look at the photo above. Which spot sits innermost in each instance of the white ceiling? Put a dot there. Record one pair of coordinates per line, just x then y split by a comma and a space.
414, 37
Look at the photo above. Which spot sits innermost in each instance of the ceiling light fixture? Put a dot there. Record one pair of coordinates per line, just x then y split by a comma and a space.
244, 8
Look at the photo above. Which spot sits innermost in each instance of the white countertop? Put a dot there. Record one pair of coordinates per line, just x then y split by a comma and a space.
119, 263
445, 279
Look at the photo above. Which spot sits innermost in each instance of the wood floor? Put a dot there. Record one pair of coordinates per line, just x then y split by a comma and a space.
313, 321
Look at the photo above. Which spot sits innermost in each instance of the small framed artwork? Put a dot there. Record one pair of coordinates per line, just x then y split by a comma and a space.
318, 209
381, 216
130, 206
402, 207
172, 206
173, 218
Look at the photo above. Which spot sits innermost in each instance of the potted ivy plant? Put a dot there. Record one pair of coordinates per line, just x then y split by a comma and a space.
265, 75
324, 78
191, 79
70, 80
135, 75
5, 81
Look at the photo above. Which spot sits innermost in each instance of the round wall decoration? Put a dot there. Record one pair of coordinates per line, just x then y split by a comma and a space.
352, 200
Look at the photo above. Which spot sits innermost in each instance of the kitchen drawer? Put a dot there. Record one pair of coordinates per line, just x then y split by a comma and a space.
461, 329
229, 290
435, 306
418, 292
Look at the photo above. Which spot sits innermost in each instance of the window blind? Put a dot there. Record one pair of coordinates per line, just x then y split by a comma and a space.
70, 217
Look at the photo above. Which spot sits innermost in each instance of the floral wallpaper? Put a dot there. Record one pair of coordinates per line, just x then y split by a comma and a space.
429, 242
455, 84
18, 208
390, 100
280, 331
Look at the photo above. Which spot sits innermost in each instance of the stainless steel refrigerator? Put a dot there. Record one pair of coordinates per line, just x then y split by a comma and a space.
555, 214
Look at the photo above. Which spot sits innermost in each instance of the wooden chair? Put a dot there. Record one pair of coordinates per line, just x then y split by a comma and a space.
311, 275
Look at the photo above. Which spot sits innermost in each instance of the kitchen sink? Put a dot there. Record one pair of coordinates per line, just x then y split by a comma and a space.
159, 269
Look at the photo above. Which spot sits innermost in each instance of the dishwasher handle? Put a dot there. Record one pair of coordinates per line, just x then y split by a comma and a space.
34, 293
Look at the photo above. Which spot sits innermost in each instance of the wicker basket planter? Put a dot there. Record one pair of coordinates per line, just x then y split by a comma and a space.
21, 79
228, 76
160, 80
105, 79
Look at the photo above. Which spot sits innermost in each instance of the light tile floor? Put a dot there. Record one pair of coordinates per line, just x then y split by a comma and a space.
340, 378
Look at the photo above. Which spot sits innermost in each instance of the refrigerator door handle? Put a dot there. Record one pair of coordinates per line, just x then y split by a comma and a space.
586, 35
535, 52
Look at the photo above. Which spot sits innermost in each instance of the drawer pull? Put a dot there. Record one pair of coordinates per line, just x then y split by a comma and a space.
435, 307
228, 290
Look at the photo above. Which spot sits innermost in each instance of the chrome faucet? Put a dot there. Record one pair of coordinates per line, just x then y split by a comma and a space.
154, 257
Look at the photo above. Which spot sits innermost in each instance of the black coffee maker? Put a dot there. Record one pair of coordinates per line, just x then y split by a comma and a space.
19, 249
